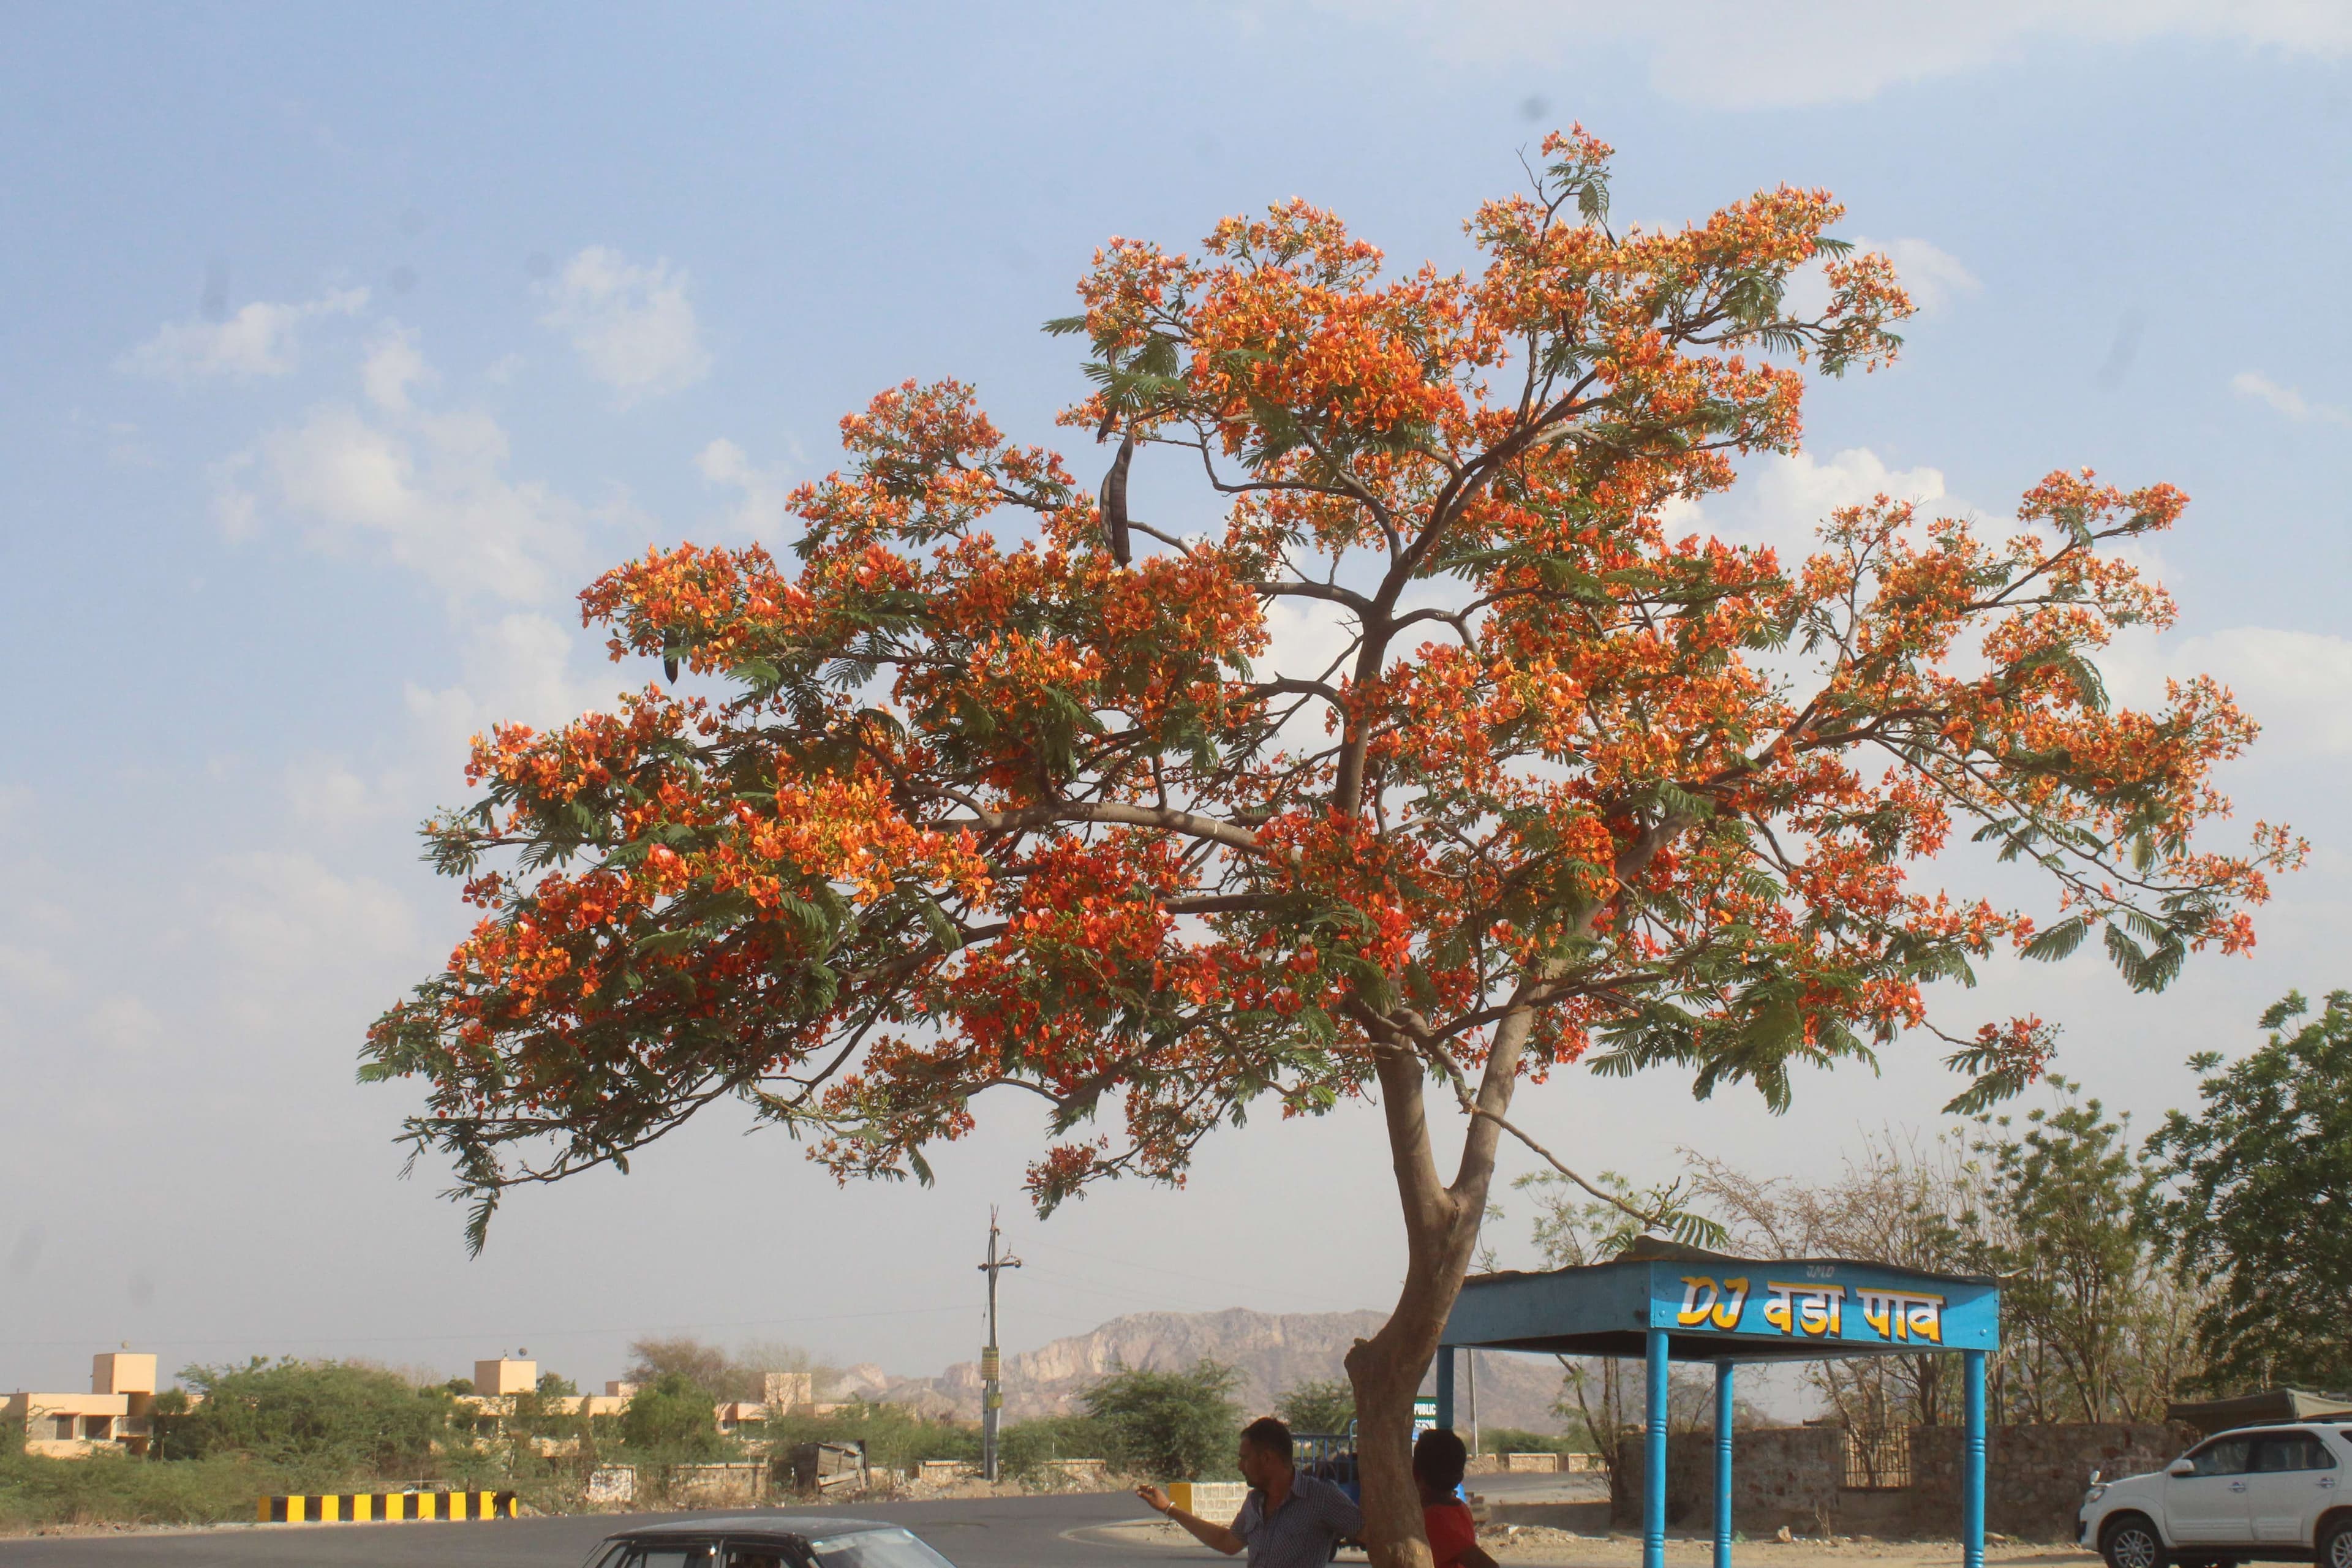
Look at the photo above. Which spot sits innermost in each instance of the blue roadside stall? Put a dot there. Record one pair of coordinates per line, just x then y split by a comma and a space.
1662, 1302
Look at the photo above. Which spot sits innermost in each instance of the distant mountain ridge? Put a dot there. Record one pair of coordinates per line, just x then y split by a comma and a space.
1272, 1351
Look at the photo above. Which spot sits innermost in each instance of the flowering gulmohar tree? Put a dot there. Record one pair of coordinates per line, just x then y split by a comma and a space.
984, 798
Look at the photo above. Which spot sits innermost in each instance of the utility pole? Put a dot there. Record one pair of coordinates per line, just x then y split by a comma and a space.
991, 1381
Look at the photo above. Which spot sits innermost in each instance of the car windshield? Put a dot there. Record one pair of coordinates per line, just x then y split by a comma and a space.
876, 1549
649, 1554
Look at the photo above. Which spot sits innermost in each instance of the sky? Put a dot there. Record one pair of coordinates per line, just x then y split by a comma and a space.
344, 345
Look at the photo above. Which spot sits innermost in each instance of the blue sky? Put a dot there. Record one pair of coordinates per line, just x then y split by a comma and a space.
344, 345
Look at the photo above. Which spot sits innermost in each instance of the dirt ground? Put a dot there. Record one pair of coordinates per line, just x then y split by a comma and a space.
1533, 1543
1536, 1545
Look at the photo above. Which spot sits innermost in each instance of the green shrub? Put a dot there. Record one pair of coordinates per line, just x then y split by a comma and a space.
324, 1420
1169, 1425
541, 1414
895, 1437
672, 1418
1518, 1440
1023, 1448
36, 1490
1321, 1405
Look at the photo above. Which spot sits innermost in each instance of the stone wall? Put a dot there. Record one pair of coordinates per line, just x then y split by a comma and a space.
2034, 1476
719, 1485
1779, 1475
1793, 1476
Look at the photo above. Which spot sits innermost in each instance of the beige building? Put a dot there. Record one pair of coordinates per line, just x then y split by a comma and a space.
497, 1382
115, 1415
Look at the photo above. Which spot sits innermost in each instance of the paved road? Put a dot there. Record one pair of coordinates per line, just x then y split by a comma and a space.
980, 1533
984, 1532
1527, 1488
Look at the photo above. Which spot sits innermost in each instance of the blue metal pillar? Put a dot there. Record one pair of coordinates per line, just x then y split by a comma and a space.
1445, 1388
1973, 1467
1654, 1469
1723, 1463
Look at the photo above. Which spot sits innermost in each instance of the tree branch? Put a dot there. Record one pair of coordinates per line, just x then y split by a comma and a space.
1184, 822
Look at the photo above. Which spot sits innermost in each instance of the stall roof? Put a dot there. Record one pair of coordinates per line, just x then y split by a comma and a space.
1716, 1306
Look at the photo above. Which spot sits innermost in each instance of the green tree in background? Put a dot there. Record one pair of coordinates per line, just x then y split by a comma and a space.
1024, 1448
1169, 1425
1318, 1405
672, 1415
2093, 1326
327, 1417
168, 1423
2256, 1191
706, 1366
539, 1413
736, 1374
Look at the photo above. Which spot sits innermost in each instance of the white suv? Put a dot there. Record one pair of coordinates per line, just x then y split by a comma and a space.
2275, 1493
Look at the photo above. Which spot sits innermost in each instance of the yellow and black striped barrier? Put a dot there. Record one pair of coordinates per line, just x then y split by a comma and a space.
369, 1507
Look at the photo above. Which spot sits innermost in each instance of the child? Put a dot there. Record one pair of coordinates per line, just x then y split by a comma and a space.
1438, 1461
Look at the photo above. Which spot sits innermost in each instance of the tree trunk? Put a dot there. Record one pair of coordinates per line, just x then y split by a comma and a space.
1441, 1226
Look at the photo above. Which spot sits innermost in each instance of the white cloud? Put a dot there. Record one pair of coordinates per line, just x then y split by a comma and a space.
32, 972
1782, 500
1837, 50
233, 511
516, 670
761, 511
125, 447
632, 326
393, 364
322, 790
2298, 685
285, 911
123, 1024
429, 490
262, 339
1304, 637
234, 508
2286, 400
1931, 274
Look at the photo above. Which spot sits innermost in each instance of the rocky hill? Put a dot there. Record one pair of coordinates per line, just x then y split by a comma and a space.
1273, 1352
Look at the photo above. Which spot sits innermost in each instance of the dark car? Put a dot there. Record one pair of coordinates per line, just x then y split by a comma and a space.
766, 1540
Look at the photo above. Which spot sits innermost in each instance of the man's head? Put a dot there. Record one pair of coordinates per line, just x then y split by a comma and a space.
1265, 1450
1438, 1461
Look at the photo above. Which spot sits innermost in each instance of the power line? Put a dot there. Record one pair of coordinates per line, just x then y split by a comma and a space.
1196, 1274
492, 1334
